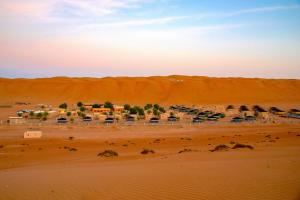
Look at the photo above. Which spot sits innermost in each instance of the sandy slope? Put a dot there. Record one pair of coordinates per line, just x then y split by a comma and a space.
140, 90
40, 169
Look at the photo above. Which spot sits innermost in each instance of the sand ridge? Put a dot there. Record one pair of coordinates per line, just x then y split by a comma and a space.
156, 89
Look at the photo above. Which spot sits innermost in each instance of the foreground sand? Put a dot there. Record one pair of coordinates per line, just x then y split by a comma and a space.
47, 169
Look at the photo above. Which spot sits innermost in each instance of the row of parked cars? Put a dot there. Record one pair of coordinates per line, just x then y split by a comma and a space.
199, 116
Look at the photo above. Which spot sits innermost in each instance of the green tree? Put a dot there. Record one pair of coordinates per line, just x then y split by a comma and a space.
156, 106
79, 104
96, 106
20, 114
127, 107
162, 109
45, 114
133, 111
39, 115
156, 112
148, 106
69, 114
63, 106
108, 105
31, 114
141, 112
82, 109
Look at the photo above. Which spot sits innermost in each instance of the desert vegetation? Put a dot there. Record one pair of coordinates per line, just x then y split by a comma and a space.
108, 153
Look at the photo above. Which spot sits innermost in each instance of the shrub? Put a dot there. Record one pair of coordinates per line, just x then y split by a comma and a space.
239, 146
147, 151
69, 114
220, 147
108, 153
185, 151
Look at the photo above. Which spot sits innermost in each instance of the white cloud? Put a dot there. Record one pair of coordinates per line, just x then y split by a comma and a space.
45, 8
252, 11
131, 23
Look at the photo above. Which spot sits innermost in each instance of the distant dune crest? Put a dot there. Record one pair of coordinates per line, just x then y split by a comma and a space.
141, 90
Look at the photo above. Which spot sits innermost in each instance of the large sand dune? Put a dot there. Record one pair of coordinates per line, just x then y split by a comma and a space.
140, 90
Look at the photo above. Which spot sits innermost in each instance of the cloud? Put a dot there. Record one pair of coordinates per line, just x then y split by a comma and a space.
132, 23
56, 8
252, 11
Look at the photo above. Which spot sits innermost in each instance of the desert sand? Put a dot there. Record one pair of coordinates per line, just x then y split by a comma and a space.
47, 168
140, 90
184, 161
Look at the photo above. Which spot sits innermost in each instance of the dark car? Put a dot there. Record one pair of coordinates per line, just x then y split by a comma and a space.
87, 119
250, 118
130, 119
172, 119
62, 120
154, 120
109, 120
237, 119
197, 120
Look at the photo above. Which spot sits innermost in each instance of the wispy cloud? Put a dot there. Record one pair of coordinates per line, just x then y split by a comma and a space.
53, 8
132, 23
250, 11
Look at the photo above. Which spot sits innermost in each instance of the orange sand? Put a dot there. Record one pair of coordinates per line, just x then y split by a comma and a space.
141, 90
43, 169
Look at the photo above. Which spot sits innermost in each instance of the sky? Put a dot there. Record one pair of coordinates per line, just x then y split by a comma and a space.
99, 38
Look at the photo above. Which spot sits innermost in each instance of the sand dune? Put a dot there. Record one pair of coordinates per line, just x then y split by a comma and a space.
140, 90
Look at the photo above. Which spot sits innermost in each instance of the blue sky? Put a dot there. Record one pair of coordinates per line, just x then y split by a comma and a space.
248, 38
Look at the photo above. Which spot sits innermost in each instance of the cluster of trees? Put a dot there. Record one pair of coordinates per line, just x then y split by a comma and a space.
135, 110
149, 108
81, 112
156, 109
107, 104
41, 115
